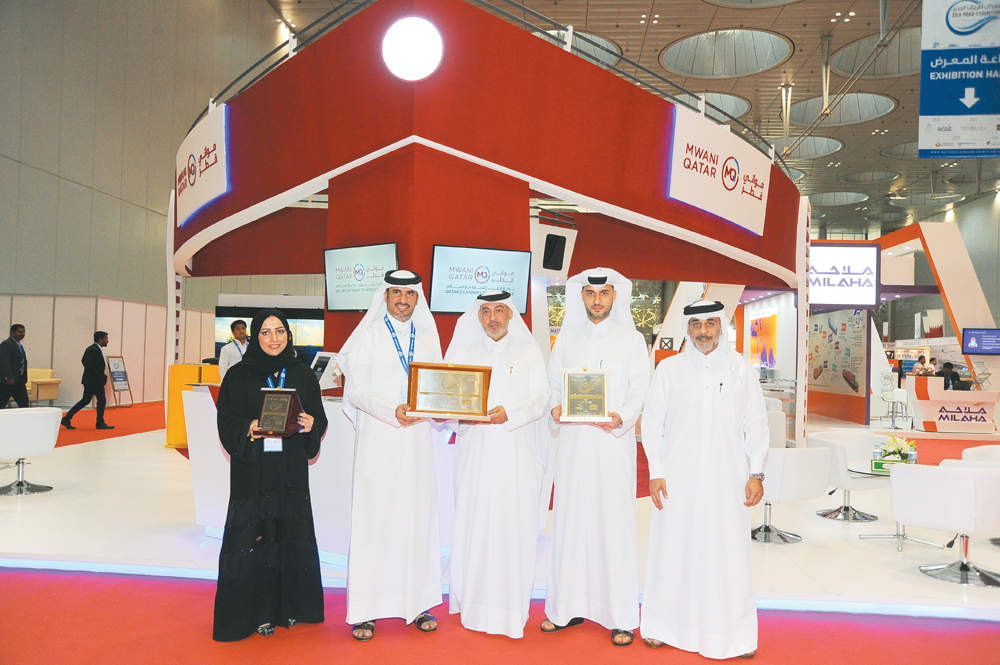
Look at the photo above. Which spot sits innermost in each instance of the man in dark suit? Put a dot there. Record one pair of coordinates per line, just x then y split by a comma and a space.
952, 381
13, 369
93, 382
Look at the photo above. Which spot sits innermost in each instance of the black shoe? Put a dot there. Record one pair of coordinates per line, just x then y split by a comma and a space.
65, 422
104, 426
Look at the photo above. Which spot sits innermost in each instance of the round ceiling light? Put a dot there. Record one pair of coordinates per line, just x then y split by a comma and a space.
926, 201
854, 107
901, 150
900, 58
731, 104
868, 177
811, 147
985, 178
721, 54
837, 198
412, 48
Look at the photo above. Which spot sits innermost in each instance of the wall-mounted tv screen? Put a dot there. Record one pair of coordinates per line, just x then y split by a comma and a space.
981, 341
844, 274
353, 274
460, 274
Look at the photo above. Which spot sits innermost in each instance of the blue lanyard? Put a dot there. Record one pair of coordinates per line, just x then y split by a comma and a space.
281, 380
395, 340
238, 348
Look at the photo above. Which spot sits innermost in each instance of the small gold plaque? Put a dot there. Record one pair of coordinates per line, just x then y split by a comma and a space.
584, 396
439, 390
279, 412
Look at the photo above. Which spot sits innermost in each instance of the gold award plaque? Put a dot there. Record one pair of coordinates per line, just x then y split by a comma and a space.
439, 390
279, 412
584, 396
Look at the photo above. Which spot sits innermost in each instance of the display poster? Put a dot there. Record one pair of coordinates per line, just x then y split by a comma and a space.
354, 274
202, 165
119, 377
960, 79
717, 172
838, 352
843, 274
764, 337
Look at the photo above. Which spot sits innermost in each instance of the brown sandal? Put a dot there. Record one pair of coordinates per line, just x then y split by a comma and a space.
365, 625
423, 619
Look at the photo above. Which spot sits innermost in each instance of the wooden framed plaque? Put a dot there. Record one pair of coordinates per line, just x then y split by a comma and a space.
584, 396
453, 392
279, 412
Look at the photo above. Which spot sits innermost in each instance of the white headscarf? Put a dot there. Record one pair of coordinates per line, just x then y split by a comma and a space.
422, 320
706, 309
469, 330
576, 311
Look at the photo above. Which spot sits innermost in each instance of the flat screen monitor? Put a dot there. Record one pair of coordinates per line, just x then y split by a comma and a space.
353, 274
460, 274
981, 341
844, 274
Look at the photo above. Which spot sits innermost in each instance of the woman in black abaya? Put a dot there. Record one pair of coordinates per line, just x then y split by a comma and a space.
269, 565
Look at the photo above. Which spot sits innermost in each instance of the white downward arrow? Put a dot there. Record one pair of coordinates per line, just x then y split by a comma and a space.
970, 97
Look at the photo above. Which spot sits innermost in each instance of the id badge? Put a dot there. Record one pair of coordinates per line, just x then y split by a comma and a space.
272, 445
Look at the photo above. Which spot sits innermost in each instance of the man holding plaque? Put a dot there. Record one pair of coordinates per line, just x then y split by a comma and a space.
705, 435
603, 361
394, 563
498, 470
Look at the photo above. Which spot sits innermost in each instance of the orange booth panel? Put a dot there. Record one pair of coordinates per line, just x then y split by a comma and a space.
179, 378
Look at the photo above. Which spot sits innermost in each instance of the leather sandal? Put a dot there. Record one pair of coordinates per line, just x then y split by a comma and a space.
365, 625
266, 629
748, 655
423, 619
653, 644
555, 629
627, 633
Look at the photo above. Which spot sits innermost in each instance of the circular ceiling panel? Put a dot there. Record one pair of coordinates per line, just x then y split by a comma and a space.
594, 53
837, 198
810, 148
731, 104
901, 150
888, 217
794, 174
817, 214
900, 58
970, 178
854, 107
925, 200
869, 177
724, 54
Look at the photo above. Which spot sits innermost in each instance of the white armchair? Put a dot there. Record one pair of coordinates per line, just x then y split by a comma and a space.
960, 497
772, 404
845, 446
27, 433
982, 454
776, 428
791, 475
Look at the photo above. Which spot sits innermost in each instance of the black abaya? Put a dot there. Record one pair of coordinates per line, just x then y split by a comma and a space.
269, 564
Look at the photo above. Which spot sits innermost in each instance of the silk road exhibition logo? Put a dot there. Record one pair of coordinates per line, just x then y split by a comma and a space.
730, 174
482, 274
968, 17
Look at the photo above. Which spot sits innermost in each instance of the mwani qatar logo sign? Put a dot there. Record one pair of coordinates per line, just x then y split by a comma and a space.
720, 173
202, 165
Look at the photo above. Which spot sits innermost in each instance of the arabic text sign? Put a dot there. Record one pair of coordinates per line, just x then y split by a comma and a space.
202, 171
960, 79
713, 170
353, 274
843, 275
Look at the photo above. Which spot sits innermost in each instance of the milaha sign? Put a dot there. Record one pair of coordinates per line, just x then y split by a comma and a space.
720, 173
202, 167
843, 274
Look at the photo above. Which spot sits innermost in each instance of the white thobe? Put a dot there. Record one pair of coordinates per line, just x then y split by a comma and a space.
230, 354
595, 561
704, 430
394, 563
498, 477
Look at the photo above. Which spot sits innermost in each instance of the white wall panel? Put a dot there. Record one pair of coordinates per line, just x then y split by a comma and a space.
109, 319
35, 314
4, 316
182, 336
73, 329
156, 336
134, 346
9, 179
207, 335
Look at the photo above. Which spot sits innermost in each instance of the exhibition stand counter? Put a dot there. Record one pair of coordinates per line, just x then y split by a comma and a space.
935, 409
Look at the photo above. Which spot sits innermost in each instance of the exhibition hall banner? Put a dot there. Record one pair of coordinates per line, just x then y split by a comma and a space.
712, 171
960, 79
838, 348
202, 166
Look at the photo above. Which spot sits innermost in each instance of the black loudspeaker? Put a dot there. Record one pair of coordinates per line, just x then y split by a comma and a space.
555, 249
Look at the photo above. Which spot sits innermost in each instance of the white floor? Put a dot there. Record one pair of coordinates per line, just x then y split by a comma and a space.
125, 505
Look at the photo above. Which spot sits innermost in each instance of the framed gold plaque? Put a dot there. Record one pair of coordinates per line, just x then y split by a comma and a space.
279, 412
584, 396
454, 392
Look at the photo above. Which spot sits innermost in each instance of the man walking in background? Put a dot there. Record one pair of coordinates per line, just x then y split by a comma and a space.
93, 382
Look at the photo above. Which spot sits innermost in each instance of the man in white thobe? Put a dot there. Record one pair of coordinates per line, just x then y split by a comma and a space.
595, 563
498, 470
233, 352
704, 430
394, 562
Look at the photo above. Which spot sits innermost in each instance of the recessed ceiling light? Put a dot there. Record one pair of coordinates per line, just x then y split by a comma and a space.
643, 16
907, 247
883, 297
833, 20
837, 14
641, 21
897, 295
768, 293
655, 21
889, 253
847, 20
656, 16
850, 13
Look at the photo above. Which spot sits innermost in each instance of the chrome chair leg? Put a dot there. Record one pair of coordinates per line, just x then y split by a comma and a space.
962, 571
846, 513
894, 410
900, 536
766, 533
20, 487
995, 541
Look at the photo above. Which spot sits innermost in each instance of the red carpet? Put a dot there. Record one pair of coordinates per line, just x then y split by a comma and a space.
51, 617
143, 417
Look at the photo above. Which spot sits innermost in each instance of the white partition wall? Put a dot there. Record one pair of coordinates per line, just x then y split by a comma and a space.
156, 342
35, 312
134, 346
73, 332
